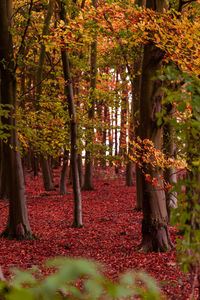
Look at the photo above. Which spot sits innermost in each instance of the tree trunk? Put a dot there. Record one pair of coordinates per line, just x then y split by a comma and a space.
129, 174
46, 172
63, 175
103, 152
4, 176
80, 169
110, 133
155, 234
124, 108
18, 224
88, 182
77, 221
170, 150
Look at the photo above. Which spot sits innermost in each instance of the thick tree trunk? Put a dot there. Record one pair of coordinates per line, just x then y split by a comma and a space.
155, 217
4, 175
77, 221
18, 223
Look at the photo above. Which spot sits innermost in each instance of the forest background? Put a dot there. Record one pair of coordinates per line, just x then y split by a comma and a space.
99, 84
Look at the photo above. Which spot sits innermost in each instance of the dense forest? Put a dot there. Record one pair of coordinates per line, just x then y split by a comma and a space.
103, 89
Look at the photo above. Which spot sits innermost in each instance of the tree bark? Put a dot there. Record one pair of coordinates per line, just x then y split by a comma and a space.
4, 176
155, 235
18, 224
170, 150
88, 182
77, 221
80, 169
63, 175
46, 172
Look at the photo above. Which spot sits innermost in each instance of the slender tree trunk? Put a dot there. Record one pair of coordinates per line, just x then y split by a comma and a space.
136, 89
124, 108
80, 169
46, 172
18, 224
63, 175
129, 165
170, 150
155, 235
77, 221
116, 122
103, 152
110, 133
88, 184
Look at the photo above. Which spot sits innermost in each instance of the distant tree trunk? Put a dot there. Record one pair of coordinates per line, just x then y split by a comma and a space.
116, 123
124, 108
103, 152
155, 234
110, 136
18, 224
88, 184
129, 174
80, 169
46, 172
63, 175
131, 136
35, 165
77, 221
170, 150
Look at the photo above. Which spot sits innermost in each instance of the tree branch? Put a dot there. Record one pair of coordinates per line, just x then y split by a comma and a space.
29, 90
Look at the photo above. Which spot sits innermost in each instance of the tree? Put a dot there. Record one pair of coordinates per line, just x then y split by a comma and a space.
18, 223
47, 178
77, 221
88, 184
155, 235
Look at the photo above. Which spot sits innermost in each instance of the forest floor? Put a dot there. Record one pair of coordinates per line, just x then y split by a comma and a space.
111, 232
